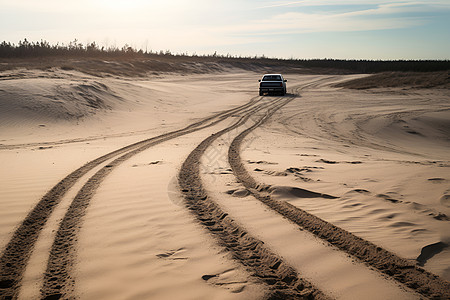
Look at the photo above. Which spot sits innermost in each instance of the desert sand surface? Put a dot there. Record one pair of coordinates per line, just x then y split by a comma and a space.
190, 186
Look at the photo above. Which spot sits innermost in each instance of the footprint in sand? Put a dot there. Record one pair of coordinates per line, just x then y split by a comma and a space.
172, 254
226, 279
299, 172
157, 162
429, 251
241, 193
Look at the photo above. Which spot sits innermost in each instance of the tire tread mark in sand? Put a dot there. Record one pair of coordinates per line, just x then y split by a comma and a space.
58, 281
259, 260
416, 278
16, 253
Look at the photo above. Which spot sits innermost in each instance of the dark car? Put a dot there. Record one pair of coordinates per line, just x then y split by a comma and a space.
272, 83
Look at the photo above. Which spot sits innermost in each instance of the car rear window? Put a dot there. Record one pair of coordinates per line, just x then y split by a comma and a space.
272, 78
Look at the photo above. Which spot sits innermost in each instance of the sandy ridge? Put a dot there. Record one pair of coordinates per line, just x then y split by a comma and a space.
18, 250
388, 263
264, 264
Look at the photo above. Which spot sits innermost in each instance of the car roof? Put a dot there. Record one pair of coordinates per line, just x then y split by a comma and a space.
272, 74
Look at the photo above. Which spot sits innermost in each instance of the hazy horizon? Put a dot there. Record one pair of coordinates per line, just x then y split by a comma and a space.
285, 29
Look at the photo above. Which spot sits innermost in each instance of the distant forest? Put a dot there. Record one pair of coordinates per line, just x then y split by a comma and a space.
26, 49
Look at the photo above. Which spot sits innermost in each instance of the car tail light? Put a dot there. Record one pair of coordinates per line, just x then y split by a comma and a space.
281, 84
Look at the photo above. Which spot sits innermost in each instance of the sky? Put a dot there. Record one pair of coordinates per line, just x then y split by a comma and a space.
344, 29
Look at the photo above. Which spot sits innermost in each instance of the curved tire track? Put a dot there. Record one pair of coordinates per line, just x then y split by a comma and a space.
57, 279
401, 270
17, 252
259, 260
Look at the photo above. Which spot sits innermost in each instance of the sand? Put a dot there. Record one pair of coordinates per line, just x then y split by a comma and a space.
383, 153
130, 190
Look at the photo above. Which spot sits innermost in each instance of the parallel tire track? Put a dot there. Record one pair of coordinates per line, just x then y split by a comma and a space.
262, 263
388, 263
58, 282
17, 252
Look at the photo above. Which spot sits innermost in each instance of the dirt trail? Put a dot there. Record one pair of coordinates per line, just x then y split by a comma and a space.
15, 256
271, 269
57, 279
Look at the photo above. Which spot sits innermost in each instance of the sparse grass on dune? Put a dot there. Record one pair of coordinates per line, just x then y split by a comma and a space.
132, 63
141, 67
400, 79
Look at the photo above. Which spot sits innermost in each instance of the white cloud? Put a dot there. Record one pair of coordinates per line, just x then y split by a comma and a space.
387, 15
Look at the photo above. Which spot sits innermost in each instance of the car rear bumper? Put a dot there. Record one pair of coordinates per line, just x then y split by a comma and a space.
271, 89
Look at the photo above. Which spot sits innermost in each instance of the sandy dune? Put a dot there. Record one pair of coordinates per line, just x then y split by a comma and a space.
194, 187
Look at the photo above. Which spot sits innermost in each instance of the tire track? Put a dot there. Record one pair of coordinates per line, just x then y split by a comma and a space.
262, 263
58, 281
16, 253
386, 262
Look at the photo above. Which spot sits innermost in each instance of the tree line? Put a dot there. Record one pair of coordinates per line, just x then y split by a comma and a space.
376, 66
27, 49
43, 48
